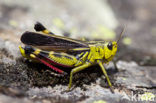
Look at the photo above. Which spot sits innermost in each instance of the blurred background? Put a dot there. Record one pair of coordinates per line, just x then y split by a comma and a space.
92, 19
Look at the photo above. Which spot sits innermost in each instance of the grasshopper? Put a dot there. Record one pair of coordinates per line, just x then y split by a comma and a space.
51, 50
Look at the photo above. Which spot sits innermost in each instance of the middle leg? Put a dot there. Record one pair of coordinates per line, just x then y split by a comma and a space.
75, 70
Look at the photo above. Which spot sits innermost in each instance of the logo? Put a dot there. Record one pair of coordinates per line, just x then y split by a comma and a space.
147, 96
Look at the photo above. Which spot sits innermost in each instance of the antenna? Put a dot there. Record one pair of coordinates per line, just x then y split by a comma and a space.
121, 34
123, 29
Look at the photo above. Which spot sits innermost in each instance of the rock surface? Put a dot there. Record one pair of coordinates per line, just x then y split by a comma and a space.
28, 82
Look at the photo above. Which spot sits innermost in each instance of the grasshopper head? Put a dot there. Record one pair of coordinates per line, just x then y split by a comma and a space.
111, 47
110, 50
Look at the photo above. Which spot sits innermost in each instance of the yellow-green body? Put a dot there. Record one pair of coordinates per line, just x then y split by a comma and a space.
98, 53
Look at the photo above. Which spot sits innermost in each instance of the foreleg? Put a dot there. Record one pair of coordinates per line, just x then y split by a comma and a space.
105, 73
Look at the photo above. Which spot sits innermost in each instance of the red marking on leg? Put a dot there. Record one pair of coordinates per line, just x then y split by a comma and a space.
53, 62
51, 66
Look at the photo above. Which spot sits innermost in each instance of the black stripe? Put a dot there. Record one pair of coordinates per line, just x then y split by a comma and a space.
68, 57
43, 53
57, 55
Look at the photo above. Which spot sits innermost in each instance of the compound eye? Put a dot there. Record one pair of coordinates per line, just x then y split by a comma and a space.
110, 45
